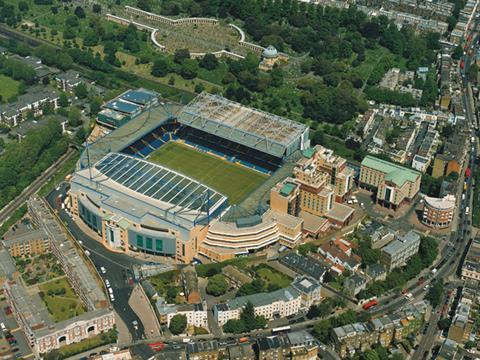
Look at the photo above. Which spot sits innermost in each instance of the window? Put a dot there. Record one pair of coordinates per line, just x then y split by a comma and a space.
159, 245
140, 241
149, 243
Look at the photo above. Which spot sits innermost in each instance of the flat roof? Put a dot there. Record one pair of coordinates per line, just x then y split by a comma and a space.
445, 203
122, 106
262, 299
393, 172
132, 183
139, 96
250, 127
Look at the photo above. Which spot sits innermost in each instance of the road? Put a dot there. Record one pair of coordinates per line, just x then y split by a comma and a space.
117, 267
10, 208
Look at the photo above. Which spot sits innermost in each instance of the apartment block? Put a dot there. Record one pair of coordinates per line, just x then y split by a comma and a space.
438, 212
26, 243
31, 102
280, 303
321, 183
196, 314
471, 265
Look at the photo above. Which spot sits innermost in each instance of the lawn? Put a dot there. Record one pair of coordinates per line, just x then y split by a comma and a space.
272, 276
61, 300
9, 88
234, 181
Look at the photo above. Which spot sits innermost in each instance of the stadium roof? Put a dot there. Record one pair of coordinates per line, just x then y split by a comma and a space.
254, 128
126, 134
147, 188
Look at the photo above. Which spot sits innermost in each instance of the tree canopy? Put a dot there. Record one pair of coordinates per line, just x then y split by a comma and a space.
217, 285
178, 324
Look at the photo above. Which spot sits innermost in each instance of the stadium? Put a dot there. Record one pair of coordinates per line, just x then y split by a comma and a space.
179, 181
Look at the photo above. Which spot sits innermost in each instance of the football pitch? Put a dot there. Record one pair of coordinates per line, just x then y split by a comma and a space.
232, 180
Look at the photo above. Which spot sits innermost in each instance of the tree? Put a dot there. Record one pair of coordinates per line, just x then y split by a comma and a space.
434, 295
63, 100
64, 61
178, 324
47, 108
145, 5
189, 69
209, 62
74, 117
199, 88
473, 73
23, 6
95, 103
96, 8
276, 76
217, 285
72, 21
181, 55
457, 53
444, 323
322, 330
79, 12
234, 326
370, 355
160, 67
81, 91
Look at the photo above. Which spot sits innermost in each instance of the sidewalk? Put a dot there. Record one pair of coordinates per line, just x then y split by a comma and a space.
143, 308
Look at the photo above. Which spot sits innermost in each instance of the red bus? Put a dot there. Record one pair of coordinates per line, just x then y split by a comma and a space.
467, 172
157, 346
370, 304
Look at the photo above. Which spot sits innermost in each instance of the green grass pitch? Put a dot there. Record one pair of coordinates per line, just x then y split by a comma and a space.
232, 180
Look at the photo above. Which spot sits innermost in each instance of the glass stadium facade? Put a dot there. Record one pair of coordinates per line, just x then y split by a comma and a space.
134, 204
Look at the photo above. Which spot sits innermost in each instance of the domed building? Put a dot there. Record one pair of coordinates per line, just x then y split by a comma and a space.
270, 52
270, 57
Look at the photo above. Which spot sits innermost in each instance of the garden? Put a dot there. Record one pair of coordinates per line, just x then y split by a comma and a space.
265, 279
61, 300
39, 269
167, 286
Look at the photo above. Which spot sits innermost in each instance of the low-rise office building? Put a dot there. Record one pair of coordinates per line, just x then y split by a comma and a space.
309, 288
401, 249
392, 184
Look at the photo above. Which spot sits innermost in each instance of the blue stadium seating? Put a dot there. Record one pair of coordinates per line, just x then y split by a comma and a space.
205, 142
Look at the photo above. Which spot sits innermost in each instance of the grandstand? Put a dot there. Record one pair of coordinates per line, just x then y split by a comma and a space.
252, 128
242, 135
159, 180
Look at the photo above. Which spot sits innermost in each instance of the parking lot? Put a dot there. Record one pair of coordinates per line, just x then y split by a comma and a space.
11, 327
